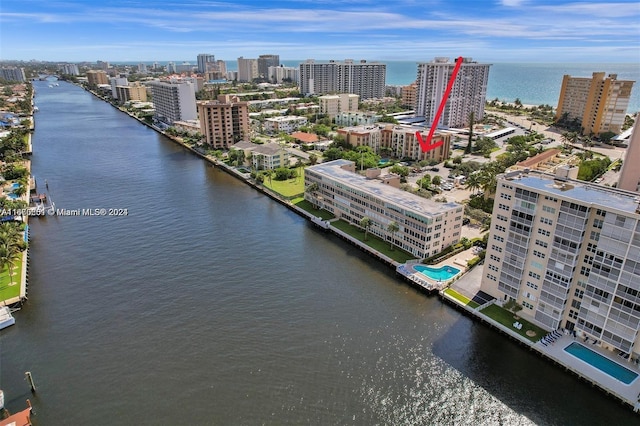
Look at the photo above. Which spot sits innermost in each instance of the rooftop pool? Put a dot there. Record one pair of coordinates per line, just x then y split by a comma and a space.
602, 363
442, 273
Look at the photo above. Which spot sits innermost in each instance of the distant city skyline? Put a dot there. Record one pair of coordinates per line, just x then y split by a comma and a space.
490, 31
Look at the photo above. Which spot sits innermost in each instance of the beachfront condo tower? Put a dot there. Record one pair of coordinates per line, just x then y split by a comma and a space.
598, 103
468, 94
365, 79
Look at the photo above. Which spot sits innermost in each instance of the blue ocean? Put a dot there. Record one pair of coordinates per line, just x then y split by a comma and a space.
532, 83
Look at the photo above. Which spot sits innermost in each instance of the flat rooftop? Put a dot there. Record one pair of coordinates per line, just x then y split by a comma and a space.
581, 192
395, 196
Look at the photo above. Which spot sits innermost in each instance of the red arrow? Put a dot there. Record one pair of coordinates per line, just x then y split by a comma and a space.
426, 145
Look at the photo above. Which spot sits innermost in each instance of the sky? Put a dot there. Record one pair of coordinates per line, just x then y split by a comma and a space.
412, 30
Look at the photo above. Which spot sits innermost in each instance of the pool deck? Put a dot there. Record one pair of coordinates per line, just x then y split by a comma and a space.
629, 393
458, 261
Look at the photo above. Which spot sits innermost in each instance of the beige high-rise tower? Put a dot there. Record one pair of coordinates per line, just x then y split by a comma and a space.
224, 122
630, 176
599, 103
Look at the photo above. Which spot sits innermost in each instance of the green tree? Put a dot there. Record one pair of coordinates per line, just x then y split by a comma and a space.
425, 182
313, 159
393, 227
469, 147
365, 223
436, 180
312, 189
402, 171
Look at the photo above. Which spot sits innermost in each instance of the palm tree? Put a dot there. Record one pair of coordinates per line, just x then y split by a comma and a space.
473, 182
313, 189
8, 255
393, 227
467, 150
365, 223
269, 174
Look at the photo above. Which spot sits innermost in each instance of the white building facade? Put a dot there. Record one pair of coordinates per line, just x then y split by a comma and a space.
425, 226
173, 101
365, 79
569, 253
468, 94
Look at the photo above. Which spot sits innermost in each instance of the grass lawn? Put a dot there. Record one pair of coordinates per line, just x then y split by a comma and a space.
287, 188
462, 298
374, 242
10, 291
507, 319
306, 205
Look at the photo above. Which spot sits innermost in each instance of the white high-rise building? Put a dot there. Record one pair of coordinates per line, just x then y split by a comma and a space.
281, 74
173, 101
469, 92
204, 59
365, 79
115, 82
568, 252
70, 69
12, 74
247, 69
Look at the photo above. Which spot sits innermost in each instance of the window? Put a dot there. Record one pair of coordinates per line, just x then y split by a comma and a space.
548, 209
498, 238
542, 244
534, 275
539, 254
496, 248
546, 221
579, 293
543, 232
532, 285
503, 207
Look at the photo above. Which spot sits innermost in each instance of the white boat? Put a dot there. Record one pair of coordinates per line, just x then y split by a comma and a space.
6, 319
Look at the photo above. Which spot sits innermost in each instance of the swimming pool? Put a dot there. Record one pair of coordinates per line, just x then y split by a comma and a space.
602, 363
442, 273
15, 185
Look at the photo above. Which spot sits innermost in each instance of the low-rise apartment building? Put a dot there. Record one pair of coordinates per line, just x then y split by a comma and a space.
425, 226
286, 124
399, 141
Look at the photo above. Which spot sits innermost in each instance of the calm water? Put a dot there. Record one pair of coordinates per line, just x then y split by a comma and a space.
211, 304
